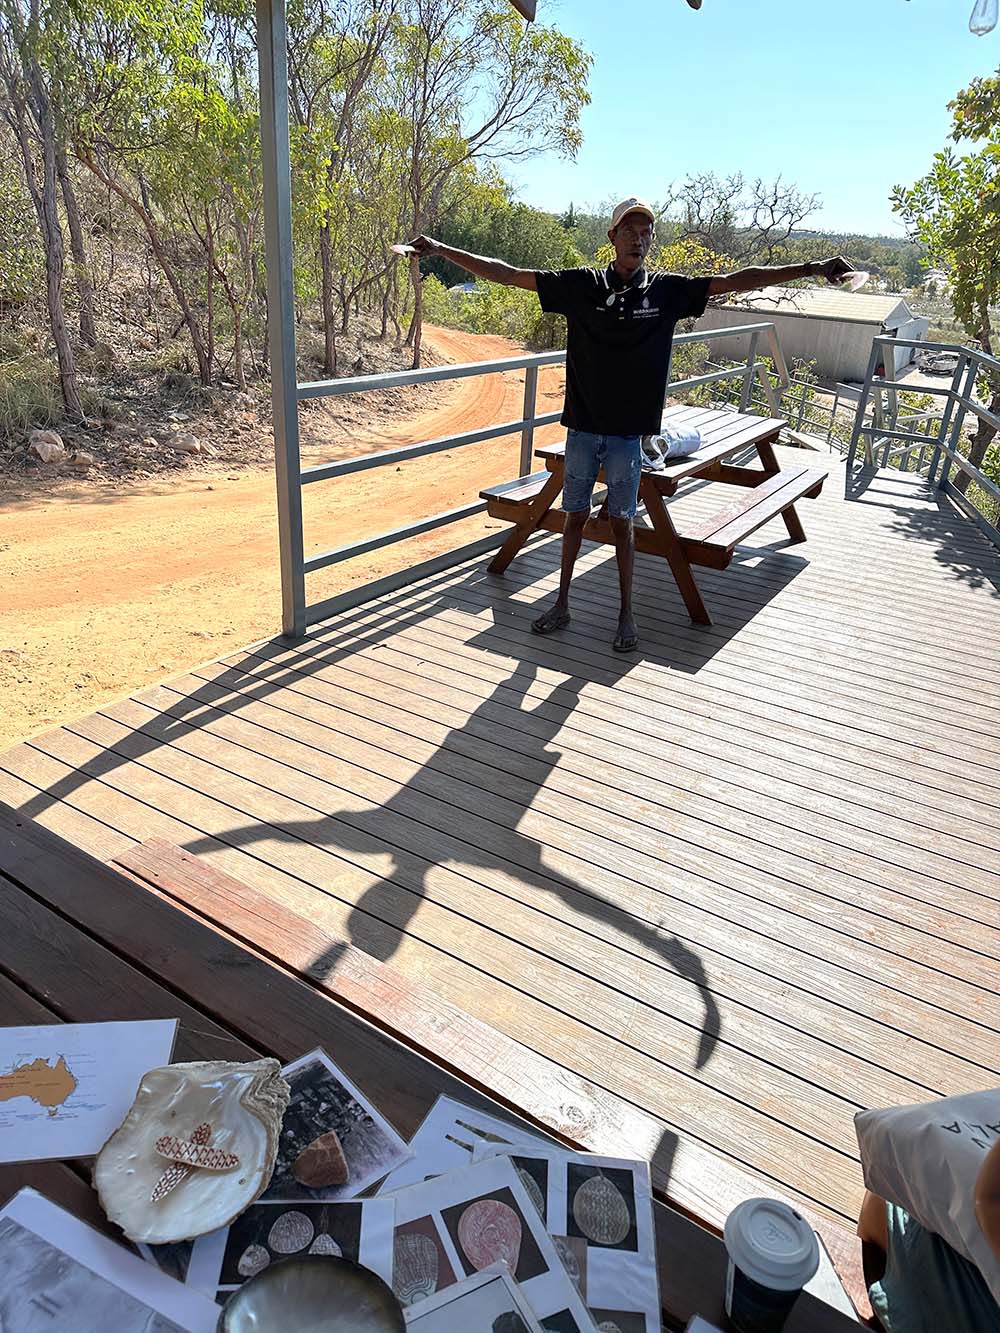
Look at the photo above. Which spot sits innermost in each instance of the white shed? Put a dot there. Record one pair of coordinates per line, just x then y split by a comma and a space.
821, 324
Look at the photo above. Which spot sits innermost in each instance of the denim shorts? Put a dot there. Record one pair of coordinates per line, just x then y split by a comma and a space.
621, 458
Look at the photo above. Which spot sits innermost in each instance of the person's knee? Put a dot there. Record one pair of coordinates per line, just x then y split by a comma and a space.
623, 528
576, 519
873, 1228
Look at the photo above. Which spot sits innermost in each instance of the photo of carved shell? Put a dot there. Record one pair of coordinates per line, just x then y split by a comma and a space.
489, 1231
253, 1260
415, 1267
197, 1147
290, 1233
601, 1212
533, 1190
325, 1244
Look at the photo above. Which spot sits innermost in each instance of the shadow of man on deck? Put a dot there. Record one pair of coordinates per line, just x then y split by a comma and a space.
449, 790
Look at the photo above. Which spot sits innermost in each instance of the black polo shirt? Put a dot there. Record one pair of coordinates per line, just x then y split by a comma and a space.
618, 349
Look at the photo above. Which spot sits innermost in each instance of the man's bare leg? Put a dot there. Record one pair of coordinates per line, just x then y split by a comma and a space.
557, 616
627, 637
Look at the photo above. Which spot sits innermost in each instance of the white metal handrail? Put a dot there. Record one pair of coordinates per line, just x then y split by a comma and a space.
942, 446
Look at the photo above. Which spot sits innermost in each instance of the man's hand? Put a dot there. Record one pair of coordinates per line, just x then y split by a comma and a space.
425, 245
835, 269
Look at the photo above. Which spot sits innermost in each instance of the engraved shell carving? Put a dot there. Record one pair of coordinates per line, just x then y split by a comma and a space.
325, 1244
415, 1267
601, 1212
243, 1104
290, 1233
252, 1261
489, 1231
533, 1190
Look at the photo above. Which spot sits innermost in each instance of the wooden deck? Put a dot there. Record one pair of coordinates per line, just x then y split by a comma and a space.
746, 880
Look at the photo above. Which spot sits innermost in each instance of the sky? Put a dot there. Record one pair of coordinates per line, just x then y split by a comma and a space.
843, 98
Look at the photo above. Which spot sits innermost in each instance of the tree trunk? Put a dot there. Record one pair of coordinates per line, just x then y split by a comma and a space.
210, 323
981, 441
416, 332
84, 286
143, 213
47, 208
329, 336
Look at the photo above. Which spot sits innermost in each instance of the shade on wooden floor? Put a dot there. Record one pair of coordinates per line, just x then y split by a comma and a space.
746, 879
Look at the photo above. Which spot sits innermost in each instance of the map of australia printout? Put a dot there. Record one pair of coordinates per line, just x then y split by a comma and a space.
66, 1087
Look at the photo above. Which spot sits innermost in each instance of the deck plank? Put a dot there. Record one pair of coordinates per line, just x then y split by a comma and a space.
747, 882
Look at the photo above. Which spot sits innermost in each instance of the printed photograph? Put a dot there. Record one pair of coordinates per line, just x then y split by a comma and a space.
601, 1206
619, 1321
563, 1322
174, 1260
420, 1263
332, 1144
270, 1231
484, 1307
533, 1173
492, 1229
44, 1289
572, 1250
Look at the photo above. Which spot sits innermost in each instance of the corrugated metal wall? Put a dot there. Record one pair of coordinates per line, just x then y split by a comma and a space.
840, 350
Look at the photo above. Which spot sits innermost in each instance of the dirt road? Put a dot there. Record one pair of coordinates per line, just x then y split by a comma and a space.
103, 592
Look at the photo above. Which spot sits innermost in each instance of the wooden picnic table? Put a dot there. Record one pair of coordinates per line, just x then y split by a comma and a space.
767, 492
84, 941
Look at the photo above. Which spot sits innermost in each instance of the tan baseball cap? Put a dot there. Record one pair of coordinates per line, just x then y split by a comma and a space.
631, 205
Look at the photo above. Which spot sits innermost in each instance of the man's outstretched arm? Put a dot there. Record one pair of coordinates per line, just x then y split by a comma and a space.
750, 279
493, 270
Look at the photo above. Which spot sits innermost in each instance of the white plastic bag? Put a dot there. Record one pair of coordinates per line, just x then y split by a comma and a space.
926, 1159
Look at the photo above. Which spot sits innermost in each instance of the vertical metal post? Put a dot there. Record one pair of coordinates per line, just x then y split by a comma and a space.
802, 405
528, 415
968, 389
750, 370
946, 417
859, 416
272, 63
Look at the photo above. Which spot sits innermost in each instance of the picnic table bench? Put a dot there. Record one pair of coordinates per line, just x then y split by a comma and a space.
162, 934
769, 490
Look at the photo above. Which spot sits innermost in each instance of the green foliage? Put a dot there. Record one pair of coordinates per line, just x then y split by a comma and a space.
29, 393
954, 208
20, 255
520, 235
510, 312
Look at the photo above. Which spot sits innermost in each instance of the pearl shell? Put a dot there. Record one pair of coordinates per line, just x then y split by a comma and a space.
243, 1105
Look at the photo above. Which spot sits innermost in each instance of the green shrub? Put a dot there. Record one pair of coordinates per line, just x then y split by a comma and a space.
29, 393
510, 312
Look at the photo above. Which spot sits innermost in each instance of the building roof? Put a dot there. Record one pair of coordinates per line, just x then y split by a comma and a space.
890, 310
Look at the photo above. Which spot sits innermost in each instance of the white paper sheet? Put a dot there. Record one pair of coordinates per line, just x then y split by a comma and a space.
324, 1099
60, 1273
66, 1087
619, 1273
475, 1306
361, 1231
447, 1139
450, 1227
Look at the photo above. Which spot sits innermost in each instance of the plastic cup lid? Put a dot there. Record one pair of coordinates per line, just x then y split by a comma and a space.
770, 1243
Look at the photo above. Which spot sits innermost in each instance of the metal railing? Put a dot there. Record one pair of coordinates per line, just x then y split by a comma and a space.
802, 409
937, 455
298, 614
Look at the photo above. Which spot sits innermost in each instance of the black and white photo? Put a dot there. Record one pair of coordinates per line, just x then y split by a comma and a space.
324, 1102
